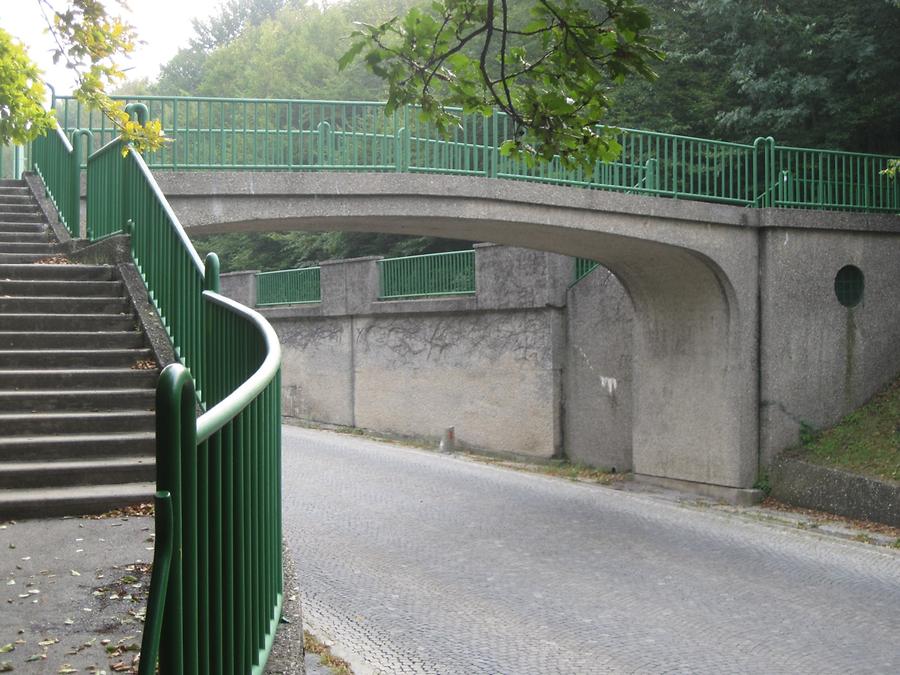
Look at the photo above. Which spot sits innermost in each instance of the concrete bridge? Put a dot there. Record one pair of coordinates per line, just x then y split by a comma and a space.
739, 334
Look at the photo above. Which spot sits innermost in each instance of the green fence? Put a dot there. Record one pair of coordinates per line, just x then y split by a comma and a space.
55, 160
221, 606
433, 274
215, 602
831, 179
583, 267
299, 135
287, 287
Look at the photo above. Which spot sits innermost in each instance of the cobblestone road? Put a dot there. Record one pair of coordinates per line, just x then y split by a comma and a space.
415, 562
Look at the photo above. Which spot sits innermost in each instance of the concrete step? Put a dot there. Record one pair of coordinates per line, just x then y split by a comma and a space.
80, 422
42, 288
73, 358
77, 446
81, 378
45, 247
77, 500
22, 226
67, 322
72, 339
63, 305
16, 197
24, 258
35, 237
7, 216
68, 400
28, 208
57, 272
63, 473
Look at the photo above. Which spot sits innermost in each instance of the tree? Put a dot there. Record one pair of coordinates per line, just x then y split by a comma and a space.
22, 114
549, 67
89, 41
186, 71
810, 72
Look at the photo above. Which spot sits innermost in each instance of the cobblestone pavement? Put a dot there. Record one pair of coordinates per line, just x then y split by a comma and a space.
415, 562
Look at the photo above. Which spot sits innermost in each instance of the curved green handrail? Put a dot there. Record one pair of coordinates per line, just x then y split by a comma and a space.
226, 409
218, 608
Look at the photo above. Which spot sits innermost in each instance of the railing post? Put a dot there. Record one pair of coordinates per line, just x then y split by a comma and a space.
156, 602
770, 164
324, 131
139, 111
493, 148
176, 429
766, 197
211, 272
402, 149
650, 173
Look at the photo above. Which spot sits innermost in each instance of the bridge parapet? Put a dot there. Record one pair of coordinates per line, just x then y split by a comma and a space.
228, 134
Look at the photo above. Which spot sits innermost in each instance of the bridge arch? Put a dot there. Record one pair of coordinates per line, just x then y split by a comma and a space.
690, 269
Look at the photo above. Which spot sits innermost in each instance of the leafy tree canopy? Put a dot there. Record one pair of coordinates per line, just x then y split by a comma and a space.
90, 42
22, 114
815, 73
548, 65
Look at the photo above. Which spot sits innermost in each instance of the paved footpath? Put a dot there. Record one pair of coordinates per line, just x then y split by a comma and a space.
415, 562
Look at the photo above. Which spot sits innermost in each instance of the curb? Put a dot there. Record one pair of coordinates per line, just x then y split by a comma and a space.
813, 486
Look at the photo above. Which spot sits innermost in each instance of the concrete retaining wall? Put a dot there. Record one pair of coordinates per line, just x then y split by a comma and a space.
490, 364
820, 360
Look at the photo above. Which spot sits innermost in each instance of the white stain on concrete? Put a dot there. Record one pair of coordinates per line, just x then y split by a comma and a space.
609, 383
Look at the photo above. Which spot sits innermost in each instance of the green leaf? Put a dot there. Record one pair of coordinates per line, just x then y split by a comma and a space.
350, 55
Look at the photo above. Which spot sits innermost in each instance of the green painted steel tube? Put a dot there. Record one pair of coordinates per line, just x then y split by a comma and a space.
163, 549
55, 160
229, 407
174, 421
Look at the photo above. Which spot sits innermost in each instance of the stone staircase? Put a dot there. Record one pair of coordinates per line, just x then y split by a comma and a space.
77, 380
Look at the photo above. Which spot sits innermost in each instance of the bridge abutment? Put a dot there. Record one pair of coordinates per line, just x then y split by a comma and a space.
700, 286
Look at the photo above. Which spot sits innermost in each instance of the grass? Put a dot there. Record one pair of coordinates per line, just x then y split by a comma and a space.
866, 441
326, 658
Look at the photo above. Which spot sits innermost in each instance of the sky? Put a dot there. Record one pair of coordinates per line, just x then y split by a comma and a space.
164, 25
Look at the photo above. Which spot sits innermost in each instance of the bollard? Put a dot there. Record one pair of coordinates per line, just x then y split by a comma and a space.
448, 441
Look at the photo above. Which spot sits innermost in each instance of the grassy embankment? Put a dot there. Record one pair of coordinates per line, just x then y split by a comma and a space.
866, 441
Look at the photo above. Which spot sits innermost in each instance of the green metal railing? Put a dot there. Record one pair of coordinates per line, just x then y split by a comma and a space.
299, 135
583, 267
124, 197
55, 160
287, 287
831, 179
224, 597
432, 274
215, 602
